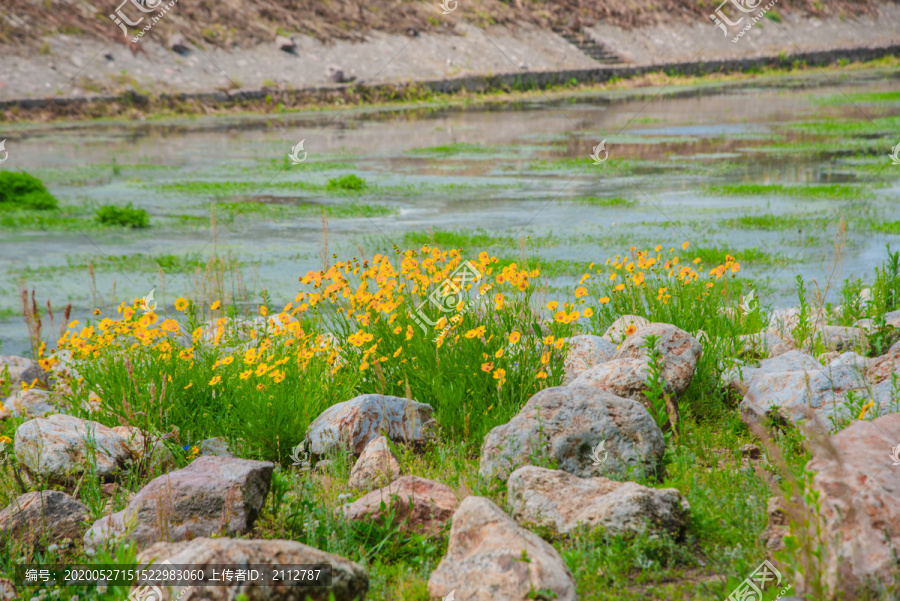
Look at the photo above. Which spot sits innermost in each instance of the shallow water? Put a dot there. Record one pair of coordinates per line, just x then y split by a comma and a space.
507, 174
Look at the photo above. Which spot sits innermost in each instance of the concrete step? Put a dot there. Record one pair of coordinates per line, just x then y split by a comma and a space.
591, 47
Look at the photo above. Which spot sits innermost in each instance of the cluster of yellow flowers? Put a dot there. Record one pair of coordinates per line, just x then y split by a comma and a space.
636, 270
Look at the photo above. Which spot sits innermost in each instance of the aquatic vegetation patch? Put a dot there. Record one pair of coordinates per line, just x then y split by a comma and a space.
126, 216
348, 183
273, 207
603, 201
455, 148
20, 190
774, 222
807, 191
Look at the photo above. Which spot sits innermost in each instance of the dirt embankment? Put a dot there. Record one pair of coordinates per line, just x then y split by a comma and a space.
243, 23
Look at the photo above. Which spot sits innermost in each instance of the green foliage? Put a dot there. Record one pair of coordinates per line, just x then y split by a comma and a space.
127, 216
350, 183
19, 190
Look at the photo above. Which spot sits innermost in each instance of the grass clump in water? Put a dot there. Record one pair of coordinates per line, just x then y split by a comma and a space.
350, 183
600, 201
810, 192
127, 216
19, 190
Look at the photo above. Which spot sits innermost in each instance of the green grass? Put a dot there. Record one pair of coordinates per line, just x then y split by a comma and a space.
137, 262
773, 222
19, 190
454, 148
348, 183
807, 192
752, 256
127, 216
889, 97
600, 201
268, 210
884, 227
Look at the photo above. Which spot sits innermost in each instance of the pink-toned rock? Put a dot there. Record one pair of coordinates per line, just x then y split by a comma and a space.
153, 451
778, 524
47, 516
349, 581
355, 422
377, 466
679, 351
213, 495
881, 368
619, 330
860, 488
563, 502
423, 505
585, 352
626, 375
484, 560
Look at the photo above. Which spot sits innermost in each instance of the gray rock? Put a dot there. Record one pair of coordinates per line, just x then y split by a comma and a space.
213, 495
335, 74
285, 43
356, 422
619, 330
767, 343
349, 580
484, 559
178, 44
563, 502
376, 466
799, 394
585, 352
20, 369
30, 403
215, 446
840, 338
567, 424
55, 448
48, 516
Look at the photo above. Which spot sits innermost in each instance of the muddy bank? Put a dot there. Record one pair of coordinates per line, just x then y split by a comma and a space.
82, 76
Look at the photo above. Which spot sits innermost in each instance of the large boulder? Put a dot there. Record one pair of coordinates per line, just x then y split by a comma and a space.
49, 516
859, 489
484, 560
841, 338
376, 466
30, 403
566, 425
55, 448
797, 395
679, 352
625, 326
738, 376
356, 422
562, 502
212, 495
417, 504
349, 581
585, 352
627, 374
883, 368
20, 369
768, 343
